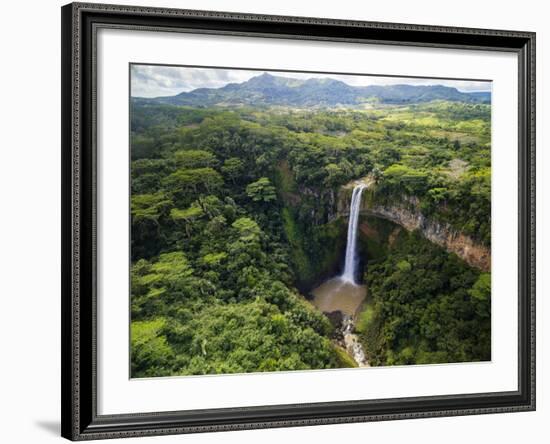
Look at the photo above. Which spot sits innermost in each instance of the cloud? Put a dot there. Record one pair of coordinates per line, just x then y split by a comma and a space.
156, 80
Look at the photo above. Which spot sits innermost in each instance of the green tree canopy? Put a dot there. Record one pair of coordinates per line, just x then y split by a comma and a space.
261, 191
195, 159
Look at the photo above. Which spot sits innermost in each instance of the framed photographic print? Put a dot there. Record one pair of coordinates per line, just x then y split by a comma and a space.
281, 221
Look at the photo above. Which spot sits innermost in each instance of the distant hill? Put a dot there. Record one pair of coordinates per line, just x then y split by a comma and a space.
267, 89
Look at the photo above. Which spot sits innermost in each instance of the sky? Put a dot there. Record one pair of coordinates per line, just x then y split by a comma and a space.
157, 81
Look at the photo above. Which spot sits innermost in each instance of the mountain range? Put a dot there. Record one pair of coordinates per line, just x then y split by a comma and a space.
268, 90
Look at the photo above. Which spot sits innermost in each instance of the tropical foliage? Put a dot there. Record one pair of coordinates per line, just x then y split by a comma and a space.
425, 307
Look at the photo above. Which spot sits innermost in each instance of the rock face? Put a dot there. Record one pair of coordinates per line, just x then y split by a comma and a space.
352, 343
345, 337
407, 214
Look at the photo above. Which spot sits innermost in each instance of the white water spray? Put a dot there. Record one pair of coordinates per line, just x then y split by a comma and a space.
350, 264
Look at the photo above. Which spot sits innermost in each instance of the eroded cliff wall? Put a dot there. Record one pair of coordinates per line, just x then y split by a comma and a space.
407, 214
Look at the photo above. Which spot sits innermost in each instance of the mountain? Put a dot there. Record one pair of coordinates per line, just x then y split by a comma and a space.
267, 90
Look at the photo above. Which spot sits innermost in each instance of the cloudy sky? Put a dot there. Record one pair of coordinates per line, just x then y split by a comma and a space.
156, 81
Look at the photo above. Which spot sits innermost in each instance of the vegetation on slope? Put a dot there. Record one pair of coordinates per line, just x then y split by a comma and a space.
425, 306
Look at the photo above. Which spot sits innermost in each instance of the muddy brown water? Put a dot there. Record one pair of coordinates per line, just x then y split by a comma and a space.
338, 295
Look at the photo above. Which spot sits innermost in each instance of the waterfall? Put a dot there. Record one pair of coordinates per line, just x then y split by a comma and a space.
350, 264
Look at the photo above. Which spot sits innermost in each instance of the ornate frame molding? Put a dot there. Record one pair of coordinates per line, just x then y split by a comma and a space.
79, 395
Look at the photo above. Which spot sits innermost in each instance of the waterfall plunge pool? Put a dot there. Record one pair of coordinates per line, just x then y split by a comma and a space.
343, 293
339, 295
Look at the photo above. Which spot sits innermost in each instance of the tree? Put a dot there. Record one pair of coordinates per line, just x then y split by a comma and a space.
232, 168
198, 180
149, 206
195, 159
188, 216
211, 205
248, 229
482, 288
335, 175
148, 211
173, 267
261, 191
151, 353
400, 177
143, 147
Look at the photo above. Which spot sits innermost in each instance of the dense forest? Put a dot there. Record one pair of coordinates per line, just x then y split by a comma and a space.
425, 305
233, 221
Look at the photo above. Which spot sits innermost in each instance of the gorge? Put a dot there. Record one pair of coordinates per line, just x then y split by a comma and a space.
373, 230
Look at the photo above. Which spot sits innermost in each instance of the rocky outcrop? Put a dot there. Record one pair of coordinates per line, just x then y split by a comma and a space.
407, 214
345, 337
352, 343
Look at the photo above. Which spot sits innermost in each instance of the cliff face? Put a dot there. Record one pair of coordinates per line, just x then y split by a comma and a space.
407, 214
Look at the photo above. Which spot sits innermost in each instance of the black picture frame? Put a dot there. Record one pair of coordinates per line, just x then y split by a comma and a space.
80, 420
